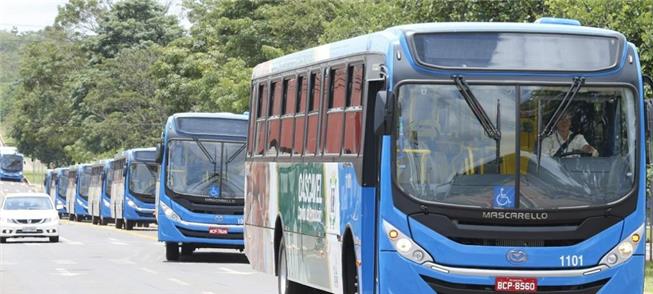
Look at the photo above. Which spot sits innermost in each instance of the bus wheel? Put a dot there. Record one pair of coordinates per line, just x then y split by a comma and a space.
187, 249
172, 251
350, 272
94, 220
285, 286
129, 225
71, 217
103, 221
118, 223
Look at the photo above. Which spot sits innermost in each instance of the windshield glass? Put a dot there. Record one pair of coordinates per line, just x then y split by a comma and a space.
11, 163
444, 155
27, 203
206, 168
142, 178
62, 184
84, 183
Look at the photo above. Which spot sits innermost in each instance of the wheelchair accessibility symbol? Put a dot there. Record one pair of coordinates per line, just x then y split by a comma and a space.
214, 191
504, 197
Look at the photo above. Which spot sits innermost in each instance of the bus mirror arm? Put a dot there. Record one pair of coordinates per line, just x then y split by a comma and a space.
648, 108
159, 153
380, 112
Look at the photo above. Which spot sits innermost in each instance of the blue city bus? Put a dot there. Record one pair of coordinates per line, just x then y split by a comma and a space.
60, 181
99, 200
200, 196
134, 174
11, 164
79, 181
48, 182
451, 158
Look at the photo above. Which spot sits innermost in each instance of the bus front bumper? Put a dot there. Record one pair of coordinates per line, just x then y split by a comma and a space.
209, 235
399, 275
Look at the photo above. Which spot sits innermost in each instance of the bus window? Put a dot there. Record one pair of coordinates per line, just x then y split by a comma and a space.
260, 118
250, 129
336, 105
273, 119
287, 116
313, 111
353, 112
300, 108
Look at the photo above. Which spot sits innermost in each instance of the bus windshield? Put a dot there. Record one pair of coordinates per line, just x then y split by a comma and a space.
11, 163
62, 184
444, 155
206, 168
85, 182
142, 179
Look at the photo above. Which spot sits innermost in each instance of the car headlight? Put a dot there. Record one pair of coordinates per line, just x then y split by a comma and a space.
131, 203
405, 245
169, 212
624, 250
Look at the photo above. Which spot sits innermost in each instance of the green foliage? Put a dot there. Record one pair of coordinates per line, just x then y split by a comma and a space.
109, 72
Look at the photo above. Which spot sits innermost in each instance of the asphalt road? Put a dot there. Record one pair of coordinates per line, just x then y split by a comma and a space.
98, 260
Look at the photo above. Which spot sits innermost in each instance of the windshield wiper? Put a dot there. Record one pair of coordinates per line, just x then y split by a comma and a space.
490, 129
562, 107
232, 157
557, 115
205, 151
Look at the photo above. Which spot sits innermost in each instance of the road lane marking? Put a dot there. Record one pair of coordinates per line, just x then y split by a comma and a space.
64, 272
71, 242
233, 272
64, 261
147, 270
178, 282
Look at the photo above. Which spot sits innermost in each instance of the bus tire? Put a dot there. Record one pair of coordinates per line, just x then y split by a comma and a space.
350, 272
94, 220
172, 251
54, 239
71, 217
118, 223
285, 286
103, 221
129, 225
187, 249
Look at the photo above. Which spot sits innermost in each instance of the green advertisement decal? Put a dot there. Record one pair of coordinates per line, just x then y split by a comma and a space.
301, 194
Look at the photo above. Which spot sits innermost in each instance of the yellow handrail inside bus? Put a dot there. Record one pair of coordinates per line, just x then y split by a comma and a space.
423, 158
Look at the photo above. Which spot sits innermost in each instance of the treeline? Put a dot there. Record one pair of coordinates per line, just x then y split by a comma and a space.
106, 74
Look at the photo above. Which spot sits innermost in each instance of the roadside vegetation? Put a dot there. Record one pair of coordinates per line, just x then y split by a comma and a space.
106, 74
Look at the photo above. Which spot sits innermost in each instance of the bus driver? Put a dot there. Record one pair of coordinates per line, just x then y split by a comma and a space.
563, 141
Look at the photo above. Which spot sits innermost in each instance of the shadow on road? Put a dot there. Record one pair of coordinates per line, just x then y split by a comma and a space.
215, 257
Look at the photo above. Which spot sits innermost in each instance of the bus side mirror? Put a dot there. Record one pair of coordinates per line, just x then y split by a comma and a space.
648, 119
159, 153
380, 112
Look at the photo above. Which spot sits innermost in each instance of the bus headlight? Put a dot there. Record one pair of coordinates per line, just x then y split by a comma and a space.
131, 203
624, 251
405, 245
169, 212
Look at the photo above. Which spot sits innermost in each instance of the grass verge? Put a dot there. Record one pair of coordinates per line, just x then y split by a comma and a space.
34, 178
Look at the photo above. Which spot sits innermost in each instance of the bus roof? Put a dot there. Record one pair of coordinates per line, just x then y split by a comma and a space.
380, 42
226, 115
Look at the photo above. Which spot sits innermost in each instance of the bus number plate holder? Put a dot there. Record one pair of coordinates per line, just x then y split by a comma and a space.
218, 231
510, 284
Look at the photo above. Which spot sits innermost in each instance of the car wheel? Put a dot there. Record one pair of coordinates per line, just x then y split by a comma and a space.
285, 286
54, 239
172, 251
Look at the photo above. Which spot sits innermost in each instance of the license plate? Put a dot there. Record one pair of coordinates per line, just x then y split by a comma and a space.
218, 231
29, 230
521, 285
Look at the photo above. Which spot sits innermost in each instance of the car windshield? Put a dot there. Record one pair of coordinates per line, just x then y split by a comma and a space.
11, 163
85, 182
444, 155
206, 168
142, 178
27, 203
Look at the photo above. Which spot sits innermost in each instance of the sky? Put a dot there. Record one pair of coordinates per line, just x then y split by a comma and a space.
33, 15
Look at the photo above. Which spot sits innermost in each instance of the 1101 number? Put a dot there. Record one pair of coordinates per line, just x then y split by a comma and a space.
571, 260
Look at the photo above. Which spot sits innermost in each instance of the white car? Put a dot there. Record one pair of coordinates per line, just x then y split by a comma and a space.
26, 215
